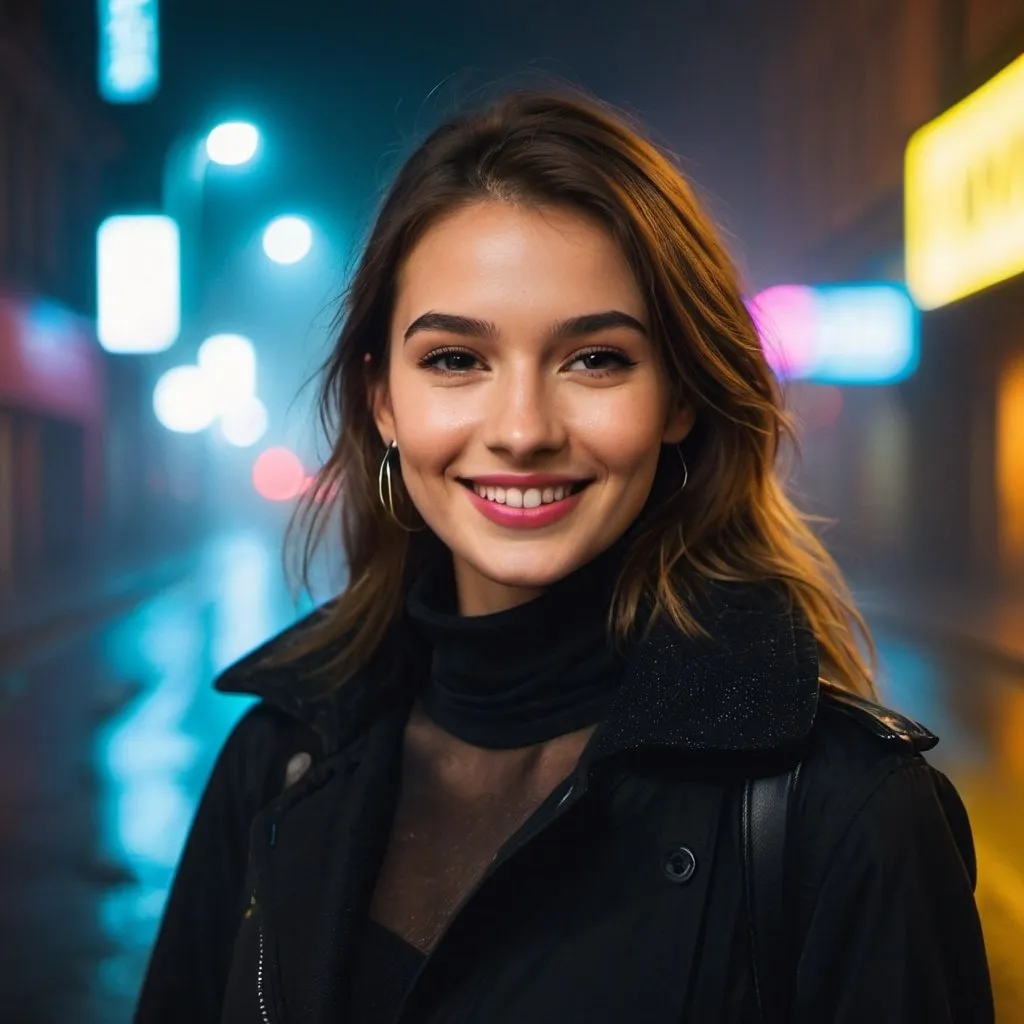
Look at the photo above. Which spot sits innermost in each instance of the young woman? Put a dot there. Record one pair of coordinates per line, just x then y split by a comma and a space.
506, 775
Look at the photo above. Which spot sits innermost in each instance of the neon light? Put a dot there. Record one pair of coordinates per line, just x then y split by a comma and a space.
965, 194
229, 362
784, 316
839, 334
139, 283
129, 57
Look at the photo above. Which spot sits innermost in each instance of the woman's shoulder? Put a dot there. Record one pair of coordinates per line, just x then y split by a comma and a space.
853, 733
856, 742
865, 781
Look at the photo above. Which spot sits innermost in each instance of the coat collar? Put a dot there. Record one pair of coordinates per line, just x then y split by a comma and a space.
749, 685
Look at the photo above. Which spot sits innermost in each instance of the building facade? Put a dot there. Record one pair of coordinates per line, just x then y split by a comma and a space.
926, 477
53, 401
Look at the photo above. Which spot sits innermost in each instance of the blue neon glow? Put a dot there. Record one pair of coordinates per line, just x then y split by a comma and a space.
839, 334
866, 335
129, 50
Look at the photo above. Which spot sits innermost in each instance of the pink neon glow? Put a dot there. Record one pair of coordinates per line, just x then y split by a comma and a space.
278, 475
785, 319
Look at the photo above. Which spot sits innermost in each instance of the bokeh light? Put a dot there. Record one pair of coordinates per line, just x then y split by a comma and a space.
841, 334
278, 475
229, 362
232, 143
287, 239
138, 275
184, 400
244, 424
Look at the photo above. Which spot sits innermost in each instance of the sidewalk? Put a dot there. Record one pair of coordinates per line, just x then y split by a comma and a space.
987, 623
90, 589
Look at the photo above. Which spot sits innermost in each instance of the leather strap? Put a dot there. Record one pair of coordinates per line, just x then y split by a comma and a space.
765, 818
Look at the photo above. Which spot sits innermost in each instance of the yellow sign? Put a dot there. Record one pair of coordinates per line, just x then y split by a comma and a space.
964, 194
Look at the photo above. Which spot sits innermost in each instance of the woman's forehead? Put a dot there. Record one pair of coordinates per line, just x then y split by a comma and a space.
491, 260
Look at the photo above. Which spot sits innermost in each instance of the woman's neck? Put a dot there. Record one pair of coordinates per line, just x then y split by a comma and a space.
478, 595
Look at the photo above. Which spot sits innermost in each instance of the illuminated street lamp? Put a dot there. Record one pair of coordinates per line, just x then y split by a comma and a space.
229, 144
232, 143
229, 362
245, 423
287, 239
184, 400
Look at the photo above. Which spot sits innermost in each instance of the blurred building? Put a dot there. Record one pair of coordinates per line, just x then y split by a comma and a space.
53, 387
925, 477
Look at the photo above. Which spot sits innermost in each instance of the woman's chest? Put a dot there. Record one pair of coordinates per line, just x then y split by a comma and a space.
441, 844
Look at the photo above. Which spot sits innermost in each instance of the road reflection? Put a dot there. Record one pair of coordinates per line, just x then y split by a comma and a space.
155, 758
977, 708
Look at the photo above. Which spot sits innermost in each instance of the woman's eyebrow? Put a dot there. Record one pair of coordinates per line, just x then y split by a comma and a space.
574, 327
591, 323
451, 323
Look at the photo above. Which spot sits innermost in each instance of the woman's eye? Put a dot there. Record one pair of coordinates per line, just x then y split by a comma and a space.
450, 361
600, 361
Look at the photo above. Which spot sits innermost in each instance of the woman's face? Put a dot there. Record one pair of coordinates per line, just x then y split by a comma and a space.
525, 396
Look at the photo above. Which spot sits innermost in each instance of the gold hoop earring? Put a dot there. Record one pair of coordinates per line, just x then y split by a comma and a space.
384, 479
686, 471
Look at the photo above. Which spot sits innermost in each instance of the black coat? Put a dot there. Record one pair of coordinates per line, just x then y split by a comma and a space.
578, 918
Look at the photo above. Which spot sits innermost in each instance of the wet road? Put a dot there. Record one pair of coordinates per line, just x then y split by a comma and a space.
108, 732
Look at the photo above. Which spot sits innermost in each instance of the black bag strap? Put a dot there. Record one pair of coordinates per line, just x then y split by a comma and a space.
765, 823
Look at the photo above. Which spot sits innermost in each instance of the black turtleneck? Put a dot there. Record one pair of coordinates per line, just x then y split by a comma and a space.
525, 675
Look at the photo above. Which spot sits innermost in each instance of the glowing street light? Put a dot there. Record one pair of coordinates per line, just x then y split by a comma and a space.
288, 239
232, 143
184, 400
229, 362
244, 424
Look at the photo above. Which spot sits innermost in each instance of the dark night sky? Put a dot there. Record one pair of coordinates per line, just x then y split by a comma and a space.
342, 89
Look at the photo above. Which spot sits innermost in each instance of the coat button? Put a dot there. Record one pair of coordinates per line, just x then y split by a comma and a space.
297, 766
679, 864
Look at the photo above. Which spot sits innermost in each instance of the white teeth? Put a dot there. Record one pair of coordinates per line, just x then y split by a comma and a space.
531, 497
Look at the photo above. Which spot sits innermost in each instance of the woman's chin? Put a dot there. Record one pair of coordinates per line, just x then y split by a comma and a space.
490, 584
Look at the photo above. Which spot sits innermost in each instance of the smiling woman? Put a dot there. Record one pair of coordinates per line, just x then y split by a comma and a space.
521, 397
587, 736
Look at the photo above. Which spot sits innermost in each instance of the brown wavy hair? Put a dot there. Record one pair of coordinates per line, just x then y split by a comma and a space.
733, 521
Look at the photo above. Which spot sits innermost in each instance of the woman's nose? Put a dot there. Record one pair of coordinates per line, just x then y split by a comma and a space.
522, 416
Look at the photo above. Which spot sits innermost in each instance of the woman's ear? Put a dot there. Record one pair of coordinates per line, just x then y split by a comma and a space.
679, 425
380, 405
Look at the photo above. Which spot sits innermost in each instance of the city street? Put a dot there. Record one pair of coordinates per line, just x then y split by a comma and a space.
108, 730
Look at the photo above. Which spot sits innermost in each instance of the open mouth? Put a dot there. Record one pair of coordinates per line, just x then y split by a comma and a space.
525, 497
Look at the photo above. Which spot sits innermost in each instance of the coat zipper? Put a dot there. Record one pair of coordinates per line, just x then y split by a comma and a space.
260, 991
